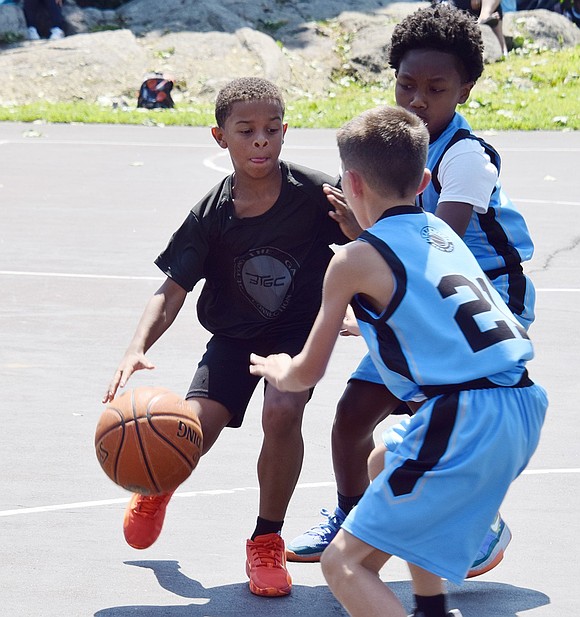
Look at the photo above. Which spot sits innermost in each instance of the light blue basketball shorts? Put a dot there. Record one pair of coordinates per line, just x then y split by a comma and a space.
447, 471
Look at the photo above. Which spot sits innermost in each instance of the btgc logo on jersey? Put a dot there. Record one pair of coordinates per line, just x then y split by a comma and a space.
436, 239
265, 277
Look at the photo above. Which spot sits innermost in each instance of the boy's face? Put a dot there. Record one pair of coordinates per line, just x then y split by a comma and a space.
430, 84
253, 133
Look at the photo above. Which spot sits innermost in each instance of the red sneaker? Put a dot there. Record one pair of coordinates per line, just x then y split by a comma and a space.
144, 518
266, 566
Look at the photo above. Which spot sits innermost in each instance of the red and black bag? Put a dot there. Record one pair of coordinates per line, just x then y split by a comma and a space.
155, 92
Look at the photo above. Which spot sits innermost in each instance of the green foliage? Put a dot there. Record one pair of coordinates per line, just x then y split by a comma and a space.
163, 54
270, 27
529, 91
105, 27
88, 113
7, 38
532, 90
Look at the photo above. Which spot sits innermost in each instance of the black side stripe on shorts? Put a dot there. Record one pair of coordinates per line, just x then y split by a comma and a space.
404, 479
497, 237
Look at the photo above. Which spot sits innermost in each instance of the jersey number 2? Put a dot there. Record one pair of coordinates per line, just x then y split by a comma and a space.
465, 315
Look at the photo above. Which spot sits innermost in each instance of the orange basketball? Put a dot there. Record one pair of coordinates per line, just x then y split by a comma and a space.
148, 440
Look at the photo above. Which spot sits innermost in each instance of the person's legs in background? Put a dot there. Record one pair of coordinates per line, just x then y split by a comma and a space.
32, 14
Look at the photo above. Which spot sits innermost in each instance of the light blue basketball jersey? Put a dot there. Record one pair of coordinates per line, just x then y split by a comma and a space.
499, 239
446, 325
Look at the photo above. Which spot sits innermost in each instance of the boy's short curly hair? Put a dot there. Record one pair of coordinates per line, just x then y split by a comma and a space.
245, 89
441, 27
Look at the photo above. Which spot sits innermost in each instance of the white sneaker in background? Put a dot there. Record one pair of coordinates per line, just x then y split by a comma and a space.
56, 33
32, 34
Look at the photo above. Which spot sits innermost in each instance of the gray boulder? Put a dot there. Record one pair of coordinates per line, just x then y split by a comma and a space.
12, 24
305, 47
545, 29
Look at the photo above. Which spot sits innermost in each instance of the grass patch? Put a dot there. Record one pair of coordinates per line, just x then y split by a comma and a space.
530, 90
92, 113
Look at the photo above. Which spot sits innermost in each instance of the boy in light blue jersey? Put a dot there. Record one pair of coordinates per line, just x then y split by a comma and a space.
461, 364
437, 54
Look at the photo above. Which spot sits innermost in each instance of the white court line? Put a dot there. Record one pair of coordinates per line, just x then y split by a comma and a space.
81, 276
519, 200
119, 277
137, 144
83, 142
123, 144
211, 162
122, 500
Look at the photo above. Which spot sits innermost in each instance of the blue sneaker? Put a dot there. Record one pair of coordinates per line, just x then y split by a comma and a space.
309, 546
492, 549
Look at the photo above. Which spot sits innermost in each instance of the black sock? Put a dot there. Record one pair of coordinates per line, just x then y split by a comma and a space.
264, 526
346, 504
431, 606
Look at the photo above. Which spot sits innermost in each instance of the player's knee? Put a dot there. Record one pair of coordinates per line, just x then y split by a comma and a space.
376, 461
331, 566
282, 415
347, 417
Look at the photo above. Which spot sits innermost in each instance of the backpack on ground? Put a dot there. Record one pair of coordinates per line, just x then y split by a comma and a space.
155, 92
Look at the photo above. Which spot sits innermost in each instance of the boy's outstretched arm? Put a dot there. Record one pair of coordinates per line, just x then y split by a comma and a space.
342, 214
303, 371
352, 270
159, 314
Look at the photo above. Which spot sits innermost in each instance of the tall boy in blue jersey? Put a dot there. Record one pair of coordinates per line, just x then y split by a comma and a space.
478, 410
438, 56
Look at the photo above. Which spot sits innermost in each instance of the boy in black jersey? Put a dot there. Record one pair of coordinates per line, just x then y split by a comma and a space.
261, 240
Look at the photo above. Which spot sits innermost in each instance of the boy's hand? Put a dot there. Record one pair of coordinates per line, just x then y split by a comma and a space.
273, 368
129, 364
342, 214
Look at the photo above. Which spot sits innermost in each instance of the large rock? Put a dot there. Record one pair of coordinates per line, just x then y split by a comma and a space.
305, 47
202, 62
12, 24
278, 19
79, 67
546, 29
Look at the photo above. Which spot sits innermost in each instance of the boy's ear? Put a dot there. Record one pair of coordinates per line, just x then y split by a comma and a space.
355, 181
218, 134
465, 91
424, 182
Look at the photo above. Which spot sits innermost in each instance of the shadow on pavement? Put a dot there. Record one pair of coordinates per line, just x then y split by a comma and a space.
474, 599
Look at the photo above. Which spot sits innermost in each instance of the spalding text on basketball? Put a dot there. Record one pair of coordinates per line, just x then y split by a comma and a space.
188, 433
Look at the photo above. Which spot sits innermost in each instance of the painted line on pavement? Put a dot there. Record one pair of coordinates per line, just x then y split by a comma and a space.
122, 500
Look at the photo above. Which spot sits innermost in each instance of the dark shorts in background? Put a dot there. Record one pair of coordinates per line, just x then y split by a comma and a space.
465, 5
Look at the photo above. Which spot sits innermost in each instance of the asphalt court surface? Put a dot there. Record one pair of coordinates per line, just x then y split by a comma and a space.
84, 210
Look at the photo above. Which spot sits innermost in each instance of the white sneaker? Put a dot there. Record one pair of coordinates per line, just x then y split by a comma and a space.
492, 550
32, 34
56, 33
453, 613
